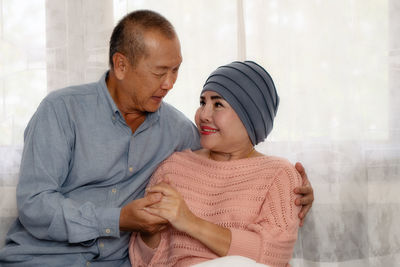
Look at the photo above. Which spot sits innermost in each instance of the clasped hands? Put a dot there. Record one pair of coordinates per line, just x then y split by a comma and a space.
161, 206
151, 214
172, 207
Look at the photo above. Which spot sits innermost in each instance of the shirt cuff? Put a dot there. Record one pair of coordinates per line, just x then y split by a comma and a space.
245, 243
108, 222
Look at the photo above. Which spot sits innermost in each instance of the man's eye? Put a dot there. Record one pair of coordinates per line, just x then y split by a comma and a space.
218, 104
202, 102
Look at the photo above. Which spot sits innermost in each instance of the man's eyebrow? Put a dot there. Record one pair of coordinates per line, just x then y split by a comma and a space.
166, 67
161, 67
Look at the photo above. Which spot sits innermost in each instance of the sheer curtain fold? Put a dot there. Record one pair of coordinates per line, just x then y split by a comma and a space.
335, 64
77, 34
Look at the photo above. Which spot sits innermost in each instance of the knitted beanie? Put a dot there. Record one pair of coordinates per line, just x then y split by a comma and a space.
250, 91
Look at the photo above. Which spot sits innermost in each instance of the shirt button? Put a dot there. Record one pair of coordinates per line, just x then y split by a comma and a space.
108, 231
87, 263
114, 190
101, 245
130, 169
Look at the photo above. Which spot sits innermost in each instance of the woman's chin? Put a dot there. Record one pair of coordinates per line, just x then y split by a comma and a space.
205, 144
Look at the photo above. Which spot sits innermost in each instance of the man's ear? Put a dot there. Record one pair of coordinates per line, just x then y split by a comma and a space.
120, 65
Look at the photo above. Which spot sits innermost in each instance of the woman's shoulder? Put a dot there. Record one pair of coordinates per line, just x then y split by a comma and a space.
277, 165
272, 161
179, 157
285, 170
279, 162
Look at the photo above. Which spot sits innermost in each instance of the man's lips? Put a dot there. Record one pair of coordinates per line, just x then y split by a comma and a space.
157, 98
206, 130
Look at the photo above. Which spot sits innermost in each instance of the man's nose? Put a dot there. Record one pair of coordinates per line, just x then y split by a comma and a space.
169, 81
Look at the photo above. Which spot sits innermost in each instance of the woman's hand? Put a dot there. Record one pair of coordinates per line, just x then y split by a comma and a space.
172, 207
307, 191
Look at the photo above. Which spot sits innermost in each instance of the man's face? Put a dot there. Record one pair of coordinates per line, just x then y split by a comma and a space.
148, 82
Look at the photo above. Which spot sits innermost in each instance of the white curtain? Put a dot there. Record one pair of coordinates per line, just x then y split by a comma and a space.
336, 65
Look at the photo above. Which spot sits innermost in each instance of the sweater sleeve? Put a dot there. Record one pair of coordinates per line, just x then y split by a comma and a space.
272, 236
139, 253
157, 176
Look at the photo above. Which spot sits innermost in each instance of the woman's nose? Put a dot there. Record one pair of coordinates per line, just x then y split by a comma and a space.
205, 113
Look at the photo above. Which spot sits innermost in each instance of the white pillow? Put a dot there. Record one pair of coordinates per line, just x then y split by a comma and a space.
230, 261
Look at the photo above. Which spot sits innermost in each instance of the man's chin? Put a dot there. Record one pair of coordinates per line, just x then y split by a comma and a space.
153, 108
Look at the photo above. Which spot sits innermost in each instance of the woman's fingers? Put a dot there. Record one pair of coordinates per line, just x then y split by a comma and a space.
162, 188
166, 212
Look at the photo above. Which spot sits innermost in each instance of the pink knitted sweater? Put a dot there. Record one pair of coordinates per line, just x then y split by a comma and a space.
252, 197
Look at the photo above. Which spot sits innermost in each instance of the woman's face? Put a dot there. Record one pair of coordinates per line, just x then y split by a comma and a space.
220, 127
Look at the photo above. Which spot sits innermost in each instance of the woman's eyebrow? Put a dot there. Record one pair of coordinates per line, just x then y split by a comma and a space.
214, 97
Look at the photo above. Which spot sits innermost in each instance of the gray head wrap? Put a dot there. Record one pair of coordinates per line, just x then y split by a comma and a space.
250, 91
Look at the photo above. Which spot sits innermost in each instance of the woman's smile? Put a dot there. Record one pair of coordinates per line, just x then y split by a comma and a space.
206, 130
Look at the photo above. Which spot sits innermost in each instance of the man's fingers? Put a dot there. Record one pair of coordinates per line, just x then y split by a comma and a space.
308, 200
303, 213
150, 199
134, 218
299, 167
303, 190
306, 191
304, 210
152, 218
156, 212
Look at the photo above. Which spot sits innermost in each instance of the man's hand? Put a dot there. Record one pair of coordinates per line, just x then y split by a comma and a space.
308, 194
133, 217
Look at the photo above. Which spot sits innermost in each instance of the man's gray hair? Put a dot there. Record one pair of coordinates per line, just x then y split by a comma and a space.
127, 36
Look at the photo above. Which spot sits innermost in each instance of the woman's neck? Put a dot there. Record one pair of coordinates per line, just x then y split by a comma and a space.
222, 156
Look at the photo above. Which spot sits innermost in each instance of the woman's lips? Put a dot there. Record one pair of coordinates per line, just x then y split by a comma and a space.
206, 130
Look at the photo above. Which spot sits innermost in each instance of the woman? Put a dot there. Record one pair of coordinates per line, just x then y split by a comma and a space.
227, 198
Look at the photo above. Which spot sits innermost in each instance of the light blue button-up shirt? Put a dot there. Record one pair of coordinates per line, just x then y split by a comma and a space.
80, 165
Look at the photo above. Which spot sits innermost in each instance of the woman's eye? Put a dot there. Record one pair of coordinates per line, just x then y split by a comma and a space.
202, 103
218, 104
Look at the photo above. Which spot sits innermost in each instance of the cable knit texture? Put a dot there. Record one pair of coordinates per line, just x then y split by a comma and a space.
252, 197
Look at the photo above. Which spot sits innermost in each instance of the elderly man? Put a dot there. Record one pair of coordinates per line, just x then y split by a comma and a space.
90, 150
